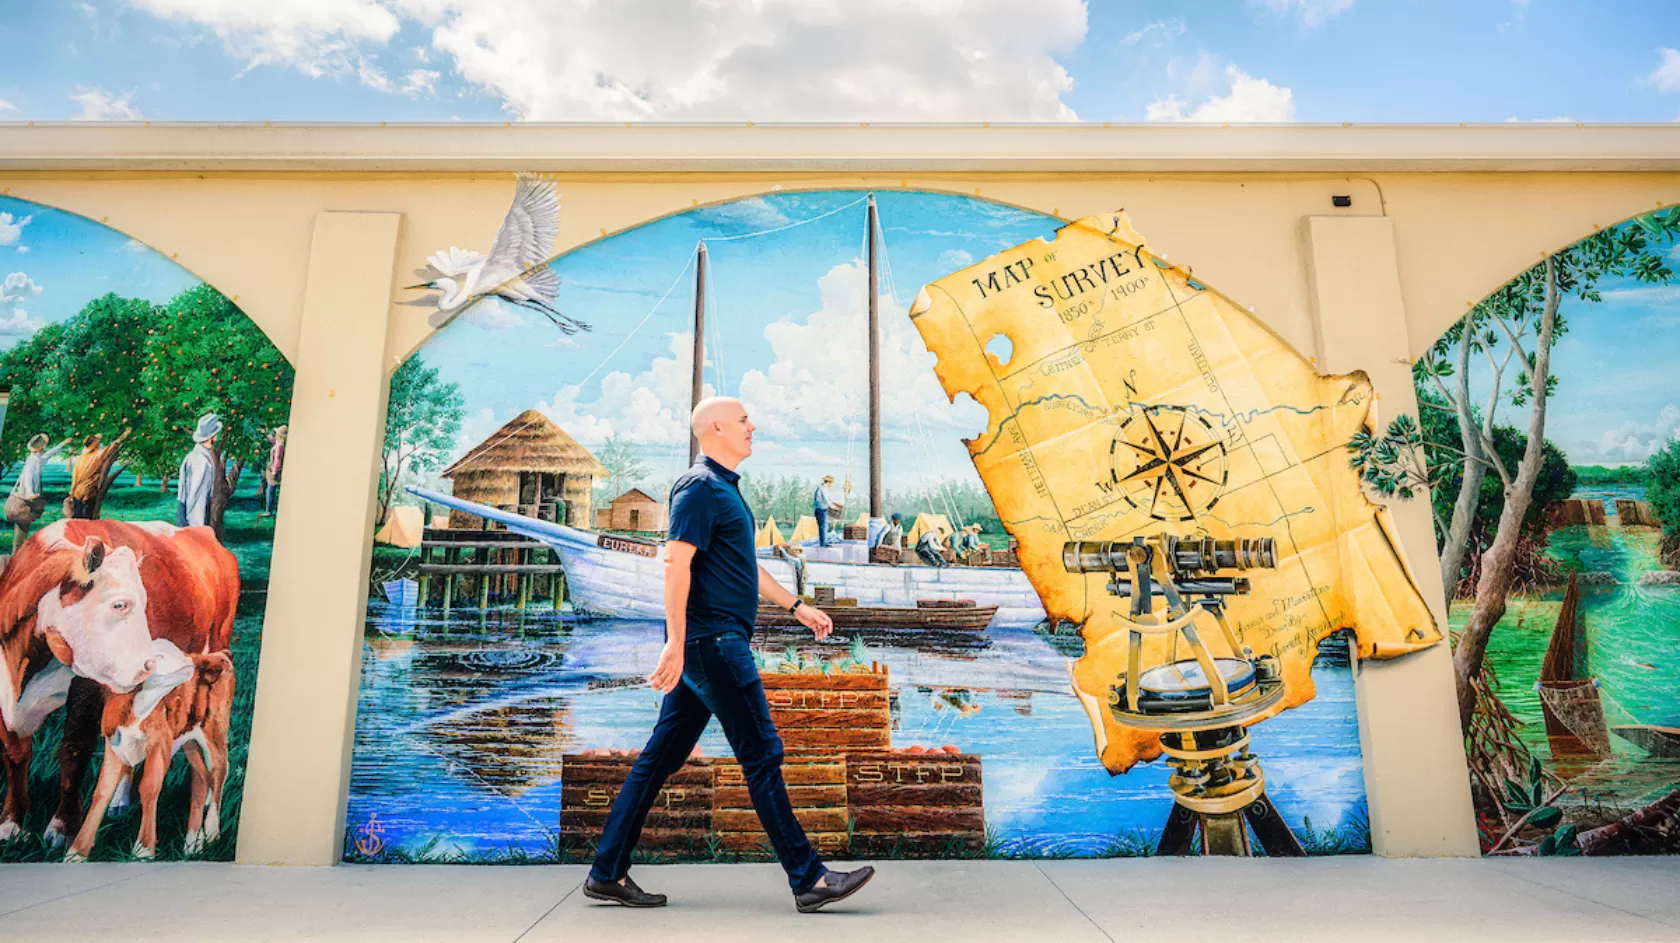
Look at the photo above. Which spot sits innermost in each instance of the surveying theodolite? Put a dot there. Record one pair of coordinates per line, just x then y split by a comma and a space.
1198, 704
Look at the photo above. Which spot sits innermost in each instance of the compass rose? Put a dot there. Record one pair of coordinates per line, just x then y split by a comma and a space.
1169, 463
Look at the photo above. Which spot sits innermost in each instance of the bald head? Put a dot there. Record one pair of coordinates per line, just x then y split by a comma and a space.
721, 425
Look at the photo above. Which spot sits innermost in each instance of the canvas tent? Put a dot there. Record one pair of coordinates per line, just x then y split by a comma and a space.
806, 529
769, 535
404, 527
925, 522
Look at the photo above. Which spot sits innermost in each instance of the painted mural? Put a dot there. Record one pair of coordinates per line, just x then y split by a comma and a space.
1546, 445
142, 453
515, 611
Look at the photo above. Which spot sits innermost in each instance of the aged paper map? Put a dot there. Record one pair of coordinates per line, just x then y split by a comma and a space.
1128, 399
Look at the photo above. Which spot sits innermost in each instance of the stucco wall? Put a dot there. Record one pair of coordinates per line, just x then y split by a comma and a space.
312, 234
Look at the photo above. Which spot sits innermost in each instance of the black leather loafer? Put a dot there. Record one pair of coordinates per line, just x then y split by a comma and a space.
627, 893
832, 886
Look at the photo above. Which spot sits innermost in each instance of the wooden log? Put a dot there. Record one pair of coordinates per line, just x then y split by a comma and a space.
912, 769
813, 820
788, 718
839, 681
811, 797
445, 569
594, 768
692, 840
944, 794
916, 845
796, 771
830, 844
697, 820
785, 699
884, 818
600, 796
836, 738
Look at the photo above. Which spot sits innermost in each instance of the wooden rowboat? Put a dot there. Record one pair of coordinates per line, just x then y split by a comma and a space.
1657, 741
943, 616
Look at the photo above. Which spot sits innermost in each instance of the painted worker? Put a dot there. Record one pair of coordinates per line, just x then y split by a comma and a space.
968, 546
893, 536
26, 503
88, 473
706, 669
197, 485
826, 502
931, 549
271, 474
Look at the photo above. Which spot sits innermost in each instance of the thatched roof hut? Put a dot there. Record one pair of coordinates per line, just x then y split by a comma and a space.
530, 466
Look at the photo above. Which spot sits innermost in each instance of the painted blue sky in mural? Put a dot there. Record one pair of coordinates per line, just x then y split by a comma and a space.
55, 262
1115, 60
1618, 397
786, 332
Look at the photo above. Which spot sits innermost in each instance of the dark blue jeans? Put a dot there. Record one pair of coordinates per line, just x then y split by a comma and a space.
822, 526
719, 678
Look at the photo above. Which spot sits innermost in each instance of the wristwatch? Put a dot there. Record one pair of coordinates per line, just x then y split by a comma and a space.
797, 602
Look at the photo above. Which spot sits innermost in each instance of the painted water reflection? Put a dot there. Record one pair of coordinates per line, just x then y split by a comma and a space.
461, 727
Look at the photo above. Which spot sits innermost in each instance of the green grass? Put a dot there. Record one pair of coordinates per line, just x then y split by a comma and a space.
251, 539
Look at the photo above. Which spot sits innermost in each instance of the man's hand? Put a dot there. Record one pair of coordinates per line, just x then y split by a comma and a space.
816, 620
668, 673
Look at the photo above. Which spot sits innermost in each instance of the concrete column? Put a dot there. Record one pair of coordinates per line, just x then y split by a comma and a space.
1416, 779
297, 777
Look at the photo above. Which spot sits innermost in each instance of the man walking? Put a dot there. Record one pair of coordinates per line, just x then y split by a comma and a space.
712, 585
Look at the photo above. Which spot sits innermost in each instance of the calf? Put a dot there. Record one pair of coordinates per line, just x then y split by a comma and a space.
185, 705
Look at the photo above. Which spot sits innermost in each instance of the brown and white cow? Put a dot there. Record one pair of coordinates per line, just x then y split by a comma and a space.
81, 603
185, 705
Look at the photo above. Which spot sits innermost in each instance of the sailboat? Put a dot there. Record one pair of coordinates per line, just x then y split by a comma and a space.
617, 577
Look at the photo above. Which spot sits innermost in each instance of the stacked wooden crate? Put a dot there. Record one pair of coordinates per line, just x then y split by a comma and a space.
852, 792
915, 804
680, 820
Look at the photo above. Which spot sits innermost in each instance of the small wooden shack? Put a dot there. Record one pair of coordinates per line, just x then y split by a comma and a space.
529, 466
633, 510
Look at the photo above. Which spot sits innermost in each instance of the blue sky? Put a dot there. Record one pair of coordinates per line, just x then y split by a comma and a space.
1109, 60
786, 332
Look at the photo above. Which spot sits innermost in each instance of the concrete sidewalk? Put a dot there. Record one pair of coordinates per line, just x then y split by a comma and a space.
1340, 899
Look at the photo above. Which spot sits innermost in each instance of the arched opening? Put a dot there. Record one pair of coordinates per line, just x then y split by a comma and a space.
1546, 447
142, 441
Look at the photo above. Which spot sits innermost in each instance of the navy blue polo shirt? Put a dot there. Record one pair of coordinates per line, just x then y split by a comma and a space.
707, 510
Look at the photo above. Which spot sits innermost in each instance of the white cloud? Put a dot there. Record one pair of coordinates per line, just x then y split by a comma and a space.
1666, 77
419, 82
810, 403
955, 260
1249, 99
100, 105
1629, 442
816, 388
17, 289
701, 59
493, 314
11, 227
1560, 119
748, 215
1647, 294
6, 106
649, 409
1155, 34
316, 37
22, 250
1312, 12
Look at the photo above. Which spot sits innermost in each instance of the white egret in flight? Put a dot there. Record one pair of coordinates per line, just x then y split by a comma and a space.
516, 270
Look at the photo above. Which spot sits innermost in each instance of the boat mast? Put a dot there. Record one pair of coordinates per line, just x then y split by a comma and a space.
874, 372
699, 343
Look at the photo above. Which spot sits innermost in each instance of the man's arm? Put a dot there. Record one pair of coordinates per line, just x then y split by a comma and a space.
679, 559
813, 618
